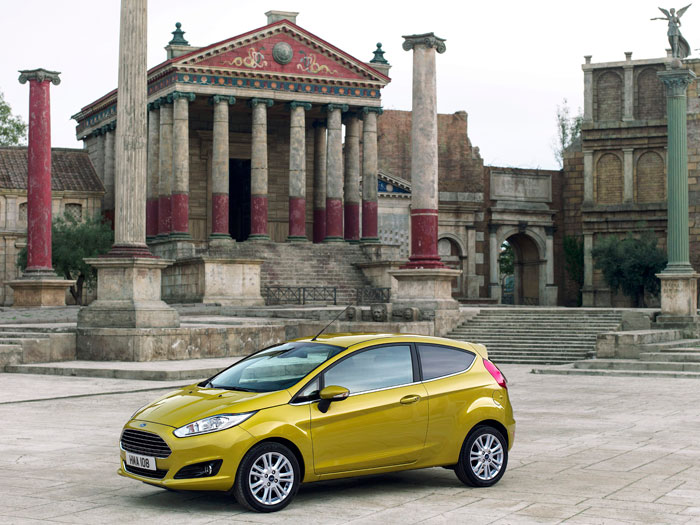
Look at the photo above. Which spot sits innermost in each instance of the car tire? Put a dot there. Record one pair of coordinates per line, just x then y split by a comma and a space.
483, 458
268, 478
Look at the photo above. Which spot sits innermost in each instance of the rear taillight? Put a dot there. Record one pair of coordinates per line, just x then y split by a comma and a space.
496, 373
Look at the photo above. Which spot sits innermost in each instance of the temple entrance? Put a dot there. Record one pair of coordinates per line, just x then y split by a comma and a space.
526, 270
239, 198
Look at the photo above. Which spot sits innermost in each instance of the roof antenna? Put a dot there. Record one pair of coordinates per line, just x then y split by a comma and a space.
333, 321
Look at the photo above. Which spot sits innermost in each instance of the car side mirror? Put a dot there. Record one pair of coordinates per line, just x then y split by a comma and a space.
329, 394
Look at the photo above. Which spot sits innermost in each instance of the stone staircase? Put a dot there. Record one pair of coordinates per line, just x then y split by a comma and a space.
538, 335
679, 358
308, 264
32, 344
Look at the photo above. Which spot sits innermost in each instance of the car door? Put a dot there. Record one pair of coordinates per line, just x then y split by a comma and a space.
451, 390
384, 420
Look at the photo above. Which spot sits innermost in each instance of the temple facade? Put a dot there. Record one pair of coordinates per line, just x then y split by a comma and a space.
276, 138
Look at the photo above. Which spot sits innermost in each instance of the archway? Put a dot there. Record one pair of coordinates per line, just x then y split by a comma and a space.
526, 271
450, 253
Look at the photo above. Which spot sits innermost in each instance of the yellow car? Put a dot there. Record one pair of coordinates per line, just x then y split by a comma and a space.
322, 408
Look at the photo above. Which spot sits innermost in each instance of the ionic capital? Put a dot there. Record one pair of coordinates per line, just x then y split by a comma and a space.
426, 40
372, 109
331, 107
185, 95
295, 104
40, 75
263, 101
215, 99
152, 106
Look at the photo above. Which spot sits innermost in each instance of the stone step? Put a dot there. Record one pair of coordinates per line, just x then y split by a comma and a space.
532, 361
633, 364
555, 336
616, 373
676, 357
672, 346
186, 370
10, 354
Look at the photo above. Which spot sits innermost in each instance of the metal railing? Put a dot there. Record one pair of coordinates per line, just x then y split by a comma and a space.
369, 294
299, 294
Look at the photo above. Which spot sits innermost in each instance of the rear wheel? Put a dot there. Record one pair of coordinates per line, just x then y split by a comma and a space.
268, 478
483, 459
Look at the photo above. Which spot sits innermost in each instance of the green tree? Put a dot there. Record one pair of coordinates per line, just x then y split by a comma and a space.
631, 265
72, 241
13, 130
506, 260
573, 260
568, 130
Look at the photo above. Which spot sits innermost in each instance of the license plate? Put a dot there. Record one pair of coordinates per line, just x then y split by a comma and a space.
139, 461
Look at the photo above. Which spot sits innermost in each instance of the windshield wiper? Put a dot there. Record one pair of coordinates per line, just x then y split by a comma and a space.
235, 388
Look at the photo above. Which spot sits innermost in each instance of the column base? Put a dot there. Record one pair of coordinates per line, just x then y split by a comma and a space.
297, 238
679, 293
369, 240
425, 288
128, 295
38, 291
495, 292
180, 236
258, 237
550, 295
221, 241
333, 239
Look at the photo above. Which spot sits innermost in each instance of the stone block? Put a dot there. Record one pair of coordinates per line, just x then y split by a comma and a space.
36, 350
679, 293
40, 292
635, 321
62, 347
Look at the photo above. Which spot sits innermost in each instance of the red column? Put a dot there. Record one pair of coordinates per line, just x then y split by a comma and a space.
369, 221
334, 219
164, 222
219, 215
319, 224
39, 169
151, 218
352, 221
424, 237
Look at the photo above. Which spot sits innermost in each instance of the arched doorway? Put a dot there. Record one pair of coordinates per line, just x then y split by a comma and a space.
526, 269
450, 254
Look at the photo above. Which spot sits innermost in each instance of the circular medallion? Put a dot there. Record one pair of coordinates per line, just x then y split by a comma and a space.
282, 53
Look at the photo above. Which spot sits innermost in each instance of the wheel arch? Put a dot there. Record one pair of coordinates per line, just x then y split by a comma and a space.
490, 423
291, 446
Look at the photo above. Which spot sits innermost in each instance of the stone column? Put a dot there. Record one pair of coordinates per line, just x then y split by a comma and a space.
588, 293
494, 251
351, 205
472, 277
110, 169
678, 279
99, 158
297, 172
588, 176
628, 180
587, 90
334, 174
220, 164
550, 289
319, 181
180, 200
370, 231
628, 108
424, 152
129, 277
153, 170
39, 286
258, 170
165, 168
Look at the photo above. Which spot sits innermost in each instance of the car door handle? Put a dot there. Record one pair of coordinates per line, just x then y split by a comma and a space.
407, 400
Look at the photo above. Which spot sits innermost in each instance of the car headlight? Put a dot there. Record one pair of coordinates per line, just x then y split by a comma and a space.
211, 424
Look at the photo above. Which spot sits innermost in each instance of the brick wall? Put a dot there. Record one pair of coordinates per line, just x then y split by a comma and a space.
608, 180
460, 167
607, 96
570, 217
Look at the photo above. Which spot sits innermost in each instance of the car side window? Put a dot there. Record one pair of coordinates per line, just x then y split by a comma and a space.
373, 369
309, 392
438, 361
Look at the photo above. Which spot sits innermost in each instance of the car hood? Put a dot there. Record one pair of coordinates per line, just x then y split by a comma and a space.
191, 403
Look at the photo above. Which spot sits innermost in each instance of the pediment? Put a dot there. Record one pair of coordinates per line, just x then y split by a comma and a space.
281, 50
391, 184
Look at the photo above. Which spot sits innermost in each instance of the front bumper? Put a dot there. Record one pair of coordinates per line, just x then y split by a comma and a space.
227, 445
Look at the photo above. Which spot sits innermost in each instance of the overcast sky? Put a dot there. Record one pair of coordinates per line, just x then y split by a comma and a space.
508, 64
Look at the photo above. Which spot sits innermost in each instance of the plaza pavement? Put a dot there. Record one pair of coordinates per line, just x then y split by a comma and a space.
588, 450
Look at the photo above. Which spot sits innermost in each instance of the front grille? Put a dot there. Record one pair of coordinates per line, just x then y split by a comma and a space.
144, 443
155, 474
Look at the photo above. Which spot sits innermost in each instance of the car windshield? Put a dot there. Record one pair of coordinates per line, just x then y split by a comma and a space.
275, 368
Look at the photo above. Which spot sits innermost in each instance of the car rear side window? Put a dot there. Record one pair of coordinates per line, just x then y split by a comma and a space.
373, 369
439, 361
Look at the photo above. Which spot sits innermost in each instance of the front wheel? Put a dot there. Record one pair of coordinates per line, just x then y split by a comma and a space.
483, 459
268, 478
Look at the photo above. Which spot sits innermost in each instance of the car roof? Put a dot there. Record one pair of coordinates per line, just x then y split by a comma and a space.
349, 339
